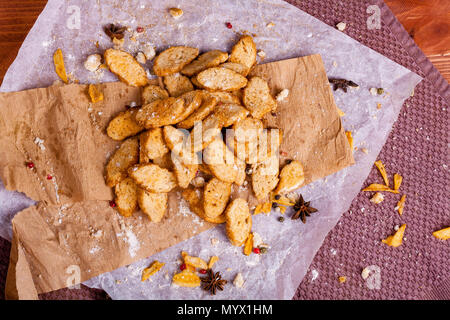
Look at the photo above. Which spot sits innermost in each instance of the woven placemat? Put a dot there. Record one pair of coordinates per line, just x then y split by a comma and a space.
417, 148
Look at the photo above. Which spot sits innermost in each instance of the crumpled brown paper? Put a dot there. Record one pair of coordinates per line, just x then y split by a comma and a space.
63, 134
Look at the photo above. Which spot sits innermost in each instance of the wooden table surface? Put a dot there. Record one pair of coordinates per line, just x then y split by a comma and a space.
427, 21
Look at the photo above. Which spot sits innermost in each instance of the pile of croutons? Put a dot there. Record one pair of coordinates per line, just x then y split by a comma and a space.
175, 139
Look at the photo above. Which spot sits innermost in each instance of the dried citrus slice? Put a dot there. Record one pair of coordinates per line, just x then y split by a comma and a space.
379, 187
212, 261
443, 234
401, 204
396, 239
397, 181
186, 279
248, 245
95, 94
60, 69
382, 170
195, 262
151, 270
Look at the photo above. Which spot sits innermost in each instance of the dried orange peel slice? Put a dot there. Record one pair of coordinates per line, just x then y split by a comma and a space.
350, 139
379, 187
151, 270
186, 279
248, 247
212, 261
443, 234
60, 69
397, 181
95, 93
196, 262
401, 204
383, 172
263, 208
396, 239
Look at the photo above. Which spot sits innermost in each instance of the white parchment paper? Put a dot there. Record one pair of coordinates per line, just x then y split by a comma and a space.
76, 25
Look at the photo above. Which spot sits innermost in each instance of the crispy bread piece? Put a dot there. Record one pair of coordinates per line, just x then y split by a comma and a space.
238, 221
229, 113
216, 196
225, 97
165, 161
192, 101
292, 176
247, 130
221, 161
152, 145
126, 197
184, 172
126, 156
204, 133
204, 61
173, 60
152, 177
257, 98
154, 205
178, 143
221, 79
126, 68
177, 84
240, 175
236, 67
196, 83
160, 113
244, 52
152, 93
265, 177
123, 125
268, 144
194, 197
207, 106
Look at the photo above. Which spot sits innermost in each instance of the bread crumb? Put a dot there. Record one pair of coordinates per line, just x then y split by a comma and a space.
373, 91
93, 62
261, 54
214, 241
365, 150
238, 281
342, 279
270, 25
141, 58
149, 51
176, 12
377, 198
341, 26
283, 94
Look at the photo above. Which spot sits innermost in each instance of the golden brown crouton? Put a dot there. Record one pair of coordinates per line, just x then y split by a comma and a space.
292, 176
173, 60
221, 161
225, 97
236, 67
177, 84
154, 205
265, 177
204, 61
221, 79
244, 52
152, 177
207, 106
123, 125
152, 93
216, 196
184, 172
238, 221
126, 156
257, 98
229, 113
160, 113
152, 145
126, 197
194, 197
125, 67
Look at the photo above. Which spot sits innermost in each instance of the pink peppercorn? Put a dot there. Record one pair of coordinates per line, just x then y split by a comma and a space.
229, 25
256, 250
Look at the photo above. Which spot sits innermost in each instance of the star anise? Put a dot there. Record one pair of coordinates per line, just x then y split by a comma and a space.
115, 31
213, 281
302, 210
342, 84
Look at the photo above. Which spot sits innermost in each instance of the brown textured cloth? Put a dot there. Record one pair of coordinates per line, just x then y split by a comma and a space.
417, 148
